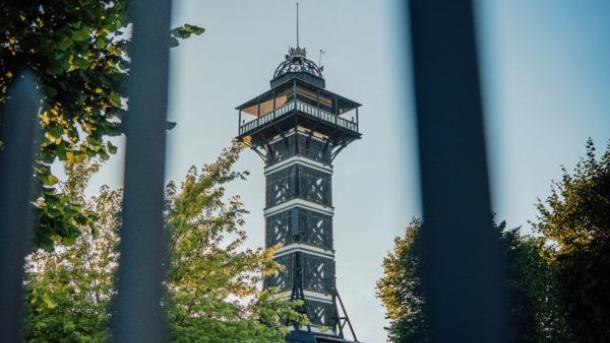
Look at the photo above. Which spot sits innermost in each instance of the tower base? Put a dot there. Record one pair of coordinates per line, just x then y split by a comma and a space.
300, 336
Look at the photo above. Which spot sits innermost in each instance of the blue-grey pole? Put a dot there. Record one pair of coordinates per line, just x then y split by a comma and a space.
140, 317
463, 279
17, 133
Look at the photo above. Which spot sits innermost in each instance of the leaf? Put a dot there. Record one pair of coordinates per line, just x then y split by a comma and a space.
44, 117
65, 43
186, 30
173, 42
115, 99
81, 63
81, 34
111, 148
48, 302
49, 180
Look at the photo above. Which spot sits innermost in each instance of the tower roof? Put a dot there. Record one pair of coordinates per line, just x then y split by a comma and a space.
297, 65
296, 61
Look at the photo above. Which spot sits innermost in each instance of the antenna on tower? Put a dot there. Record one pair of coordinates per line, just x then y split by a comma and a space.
297, 24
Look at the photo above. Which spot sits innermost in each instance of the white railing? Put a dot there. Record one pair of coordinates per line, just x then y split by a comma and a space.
303, 107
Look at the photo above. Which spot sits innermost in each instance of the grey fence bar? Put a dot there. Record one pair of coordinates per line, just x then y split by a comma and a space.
462, 278
140, 317
17, 132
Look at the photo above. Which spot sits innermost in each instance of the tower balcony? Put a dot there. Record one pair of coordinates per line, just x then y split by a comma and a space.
305, 109
298, 103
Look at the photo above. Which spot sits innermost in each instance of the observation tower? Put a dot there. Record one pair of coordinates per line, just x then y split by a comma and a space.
298, 128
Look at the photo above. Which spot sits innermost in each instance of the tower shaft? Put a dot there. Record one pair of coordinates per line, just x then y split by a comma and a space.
298, 216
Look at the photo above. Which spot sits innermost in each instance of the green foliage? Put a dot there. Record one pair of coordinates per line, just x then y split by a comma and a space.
210, 274
575, 219
212, 284
401, 291
78, 50
183, 32
535, 315
68, 290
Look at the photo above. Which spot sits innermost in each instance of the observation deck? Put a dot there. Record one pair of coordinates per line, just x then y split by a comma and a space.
297, 102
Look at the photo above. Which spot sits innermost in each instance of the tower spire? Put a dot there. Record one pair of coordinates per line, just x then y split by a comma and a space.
297, 24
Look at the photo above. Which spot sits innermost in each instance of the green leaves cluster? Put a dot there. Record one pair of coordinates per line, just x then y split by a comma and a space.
69, 290
78, 51
535, 314
575, 220
213, 281
558, 279
213, 292
400, 289
183, 32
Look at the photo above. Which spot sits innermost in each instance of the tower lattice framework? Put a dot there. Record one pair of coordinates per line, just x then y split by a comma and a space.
298, 128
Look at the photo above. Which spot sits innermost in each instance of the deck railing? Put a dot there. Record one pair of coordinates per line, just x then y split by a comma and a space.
303, 107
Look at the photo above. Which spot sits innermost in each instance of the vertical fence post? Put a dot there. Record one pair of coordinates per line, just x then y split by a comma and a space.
139, 314
17, 132
463, 277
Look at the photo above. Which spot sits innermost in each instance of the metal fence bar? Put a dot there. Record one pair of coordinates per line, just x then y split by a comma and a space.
140, 317
462, 276
17, 132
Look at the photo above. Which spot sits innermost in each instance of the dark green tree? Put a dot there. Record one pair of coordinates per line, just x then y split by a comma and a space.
575, 221
534, 312
535, 315
78, 52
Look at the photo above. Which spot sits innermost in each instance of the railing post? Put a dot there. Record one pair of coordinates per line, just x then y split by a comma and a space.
318, 100
140, 317
274, 95
17, 133
239, 122
463, 278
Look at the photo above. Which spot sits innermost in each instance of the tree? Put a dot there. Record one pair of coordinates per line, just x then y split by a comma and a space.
401, 291
209, 274
575, 220
78, 51
535, 315
212, 285
69, 289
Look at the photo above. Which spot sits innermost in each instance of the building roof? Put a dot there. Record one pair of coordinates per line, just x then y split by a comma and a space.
296, 62
269, 95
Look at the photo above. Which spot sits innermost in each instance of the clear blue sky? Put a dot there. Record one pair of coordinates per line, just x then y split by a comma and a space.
546, 82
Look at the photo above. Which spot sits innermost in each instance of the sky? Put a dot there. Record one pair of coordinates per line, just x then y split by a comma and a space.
545, 76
